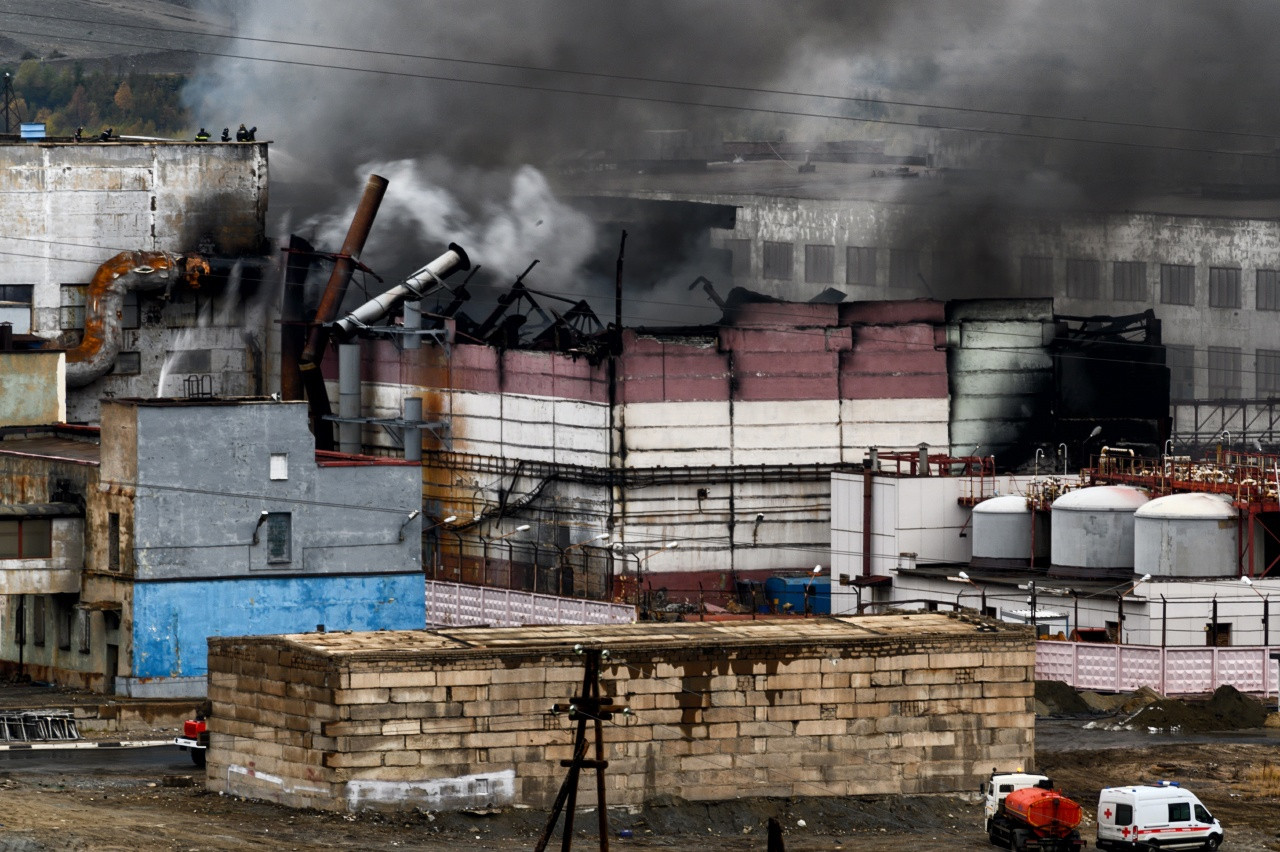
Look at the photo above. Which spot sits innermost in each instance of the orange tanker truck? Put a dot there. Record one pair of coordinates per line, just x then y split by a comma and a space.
1025, 814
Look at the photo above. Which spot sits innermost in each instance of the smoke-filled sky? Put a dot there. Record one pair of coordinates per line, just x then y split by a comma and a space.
462, 136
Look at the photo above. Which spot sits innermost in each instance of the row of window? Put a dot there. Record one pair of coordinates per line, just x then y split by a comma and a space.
1225, 372
67, 619
1084, 276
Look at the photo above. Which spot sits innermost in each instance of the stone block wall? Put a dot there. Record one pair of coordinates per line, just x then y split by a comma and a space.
462, 718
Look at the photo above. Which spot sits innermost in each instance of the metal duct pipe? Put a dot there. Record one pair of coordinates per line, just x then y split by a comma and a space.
331, 300
417, 286
413, 434
412, 324
348, 397
129, 270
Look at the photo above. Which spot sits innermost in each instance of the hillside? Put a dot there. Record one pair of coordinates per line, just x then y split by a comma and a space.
119, 36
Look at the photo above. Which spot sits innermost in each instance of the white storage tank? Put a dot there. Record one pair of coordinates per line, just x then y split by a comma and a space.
1186, 535
1092, 532
1005, 534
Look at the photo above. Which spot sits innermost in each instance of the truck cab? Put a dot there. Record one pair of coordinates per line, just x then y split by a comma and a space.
1000, 785
1148, 816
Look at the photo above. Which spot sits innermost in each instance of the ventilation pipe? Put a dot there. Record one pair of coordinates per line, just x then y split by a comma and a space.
130, 270
349, 397
416, 287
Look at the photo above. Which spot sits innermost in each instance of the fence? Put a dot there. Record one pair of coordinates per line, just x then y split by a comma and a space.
461, 605
1170, 671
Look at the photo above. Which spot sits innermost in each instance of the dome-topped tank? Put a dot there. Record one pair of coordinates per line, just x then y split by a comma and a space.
1186, 535
1005, 534
1093, 532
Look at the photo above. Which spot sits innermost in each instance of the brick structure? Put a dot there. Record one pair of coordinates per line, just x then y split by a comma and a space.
916, 703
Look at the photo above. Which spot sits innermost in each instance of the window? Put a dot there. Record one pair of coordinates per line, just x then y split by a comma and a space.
1224, 287
37, 620
1177, 284
1217, 634
71, 307
1084, 279
1268, 372
1037, 276
1179, 812
819, 264
63, 616
1182, 371
279, 466
904, 269
1129, 281
740, 254
189, 361
1203, 815
130, 316
84, 627
26, 538
127, 364
777, 261
1124, 814
15, 306
279, 537
860, 265
1268, 290
113, 541
1224, 372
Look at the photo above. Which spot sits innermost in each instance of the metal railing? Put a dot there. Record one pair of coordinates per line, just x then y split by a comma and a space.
461, 605
37, 727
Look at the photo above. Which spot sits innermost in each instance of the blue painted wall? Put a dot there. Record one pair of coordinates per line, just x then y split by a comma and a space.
173, 620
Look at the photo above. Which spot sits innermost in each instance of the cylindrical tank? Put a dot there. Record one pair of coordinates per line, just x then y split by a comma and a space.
1047, 812
1006, 535
1186, 535
1092, 533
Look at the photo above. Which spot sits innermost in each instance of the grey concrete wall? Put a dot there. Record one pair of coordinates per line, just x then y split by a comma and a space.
203, 480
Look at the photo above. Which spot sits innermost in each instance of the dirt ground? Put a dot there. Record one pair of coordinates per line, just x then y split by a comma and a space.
142, 809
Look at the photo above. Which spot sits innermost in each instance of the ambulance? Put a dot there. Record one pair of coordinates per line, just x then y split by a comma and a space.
1155, 816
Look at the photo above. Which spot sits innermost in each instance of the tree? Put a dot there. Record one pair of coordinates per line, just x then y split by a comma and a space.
124, 98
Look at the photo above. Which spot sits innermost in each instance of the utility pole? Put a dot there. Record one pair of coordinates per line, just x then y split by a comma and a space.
10, 105
587, 705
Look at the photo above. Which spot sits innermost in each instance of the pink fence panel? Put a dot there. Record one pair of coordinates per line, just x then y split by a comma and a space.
1171, 671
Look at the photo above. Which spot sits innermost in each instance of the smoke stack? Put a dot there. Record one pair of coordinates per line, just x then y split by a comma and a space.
417, 286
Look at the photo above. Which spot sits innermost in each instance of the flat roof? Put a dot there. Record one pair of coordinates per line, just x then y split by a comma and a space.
647, 636
727, 183
52, 446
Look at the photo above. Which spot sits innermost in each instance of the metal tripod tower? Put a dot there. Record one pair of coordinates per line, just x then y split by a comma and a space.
10, 105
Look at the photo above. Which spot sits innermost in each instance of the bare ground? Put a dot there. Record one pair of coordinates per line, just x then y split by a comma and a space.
141, 809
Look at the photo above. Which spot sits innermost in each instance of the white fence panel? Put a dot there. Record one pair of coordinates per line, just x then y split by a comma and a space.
461, 605
1172, 671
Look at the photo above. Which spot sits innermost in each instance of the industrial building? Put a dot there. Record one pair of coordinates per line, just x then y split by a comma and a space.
144, 259
127, 546
1207, 260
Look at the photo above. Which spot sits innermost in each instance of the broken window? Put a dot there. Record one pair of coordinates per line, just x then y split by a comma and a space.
740, 252
113, 541
1129, 281
1037, 276
279, 537
1224, 372
860, 266
904, 269
71, 307
1268, 372
819, 264
777, 260
1268, 295
26, 538
1177, 284
1182, 373
1084, 279
127, 364
1224, 287
15, 306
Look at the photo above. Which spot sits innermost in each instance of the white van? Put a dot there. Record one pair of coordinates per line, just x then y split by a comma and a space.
1163, 815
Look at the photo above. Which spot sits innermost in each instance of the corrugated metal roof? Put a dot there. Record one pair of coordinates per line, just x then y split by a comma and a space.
52, 447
